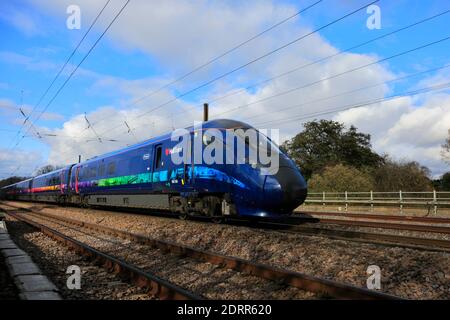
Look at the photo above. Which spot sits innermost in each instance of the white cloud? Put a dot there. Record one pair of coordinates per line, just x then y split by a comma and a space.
108, 121
188, 31
19, 162
28, 62
75, 137
25, 22
407, 129
12, 109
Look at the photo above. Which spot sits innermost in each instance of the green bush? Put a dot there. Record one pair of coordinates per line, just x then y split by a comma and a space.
340, 178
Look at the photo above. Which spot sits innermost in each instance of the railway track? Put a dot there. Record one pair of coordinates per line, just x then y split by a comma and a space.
157, 287
372, 224
392, 240
381, 217
304, 226
319, 286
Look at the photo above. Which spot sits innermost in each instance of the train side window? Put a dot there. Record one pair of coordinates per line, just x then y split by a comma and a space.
101, 170
158, 157
111, 168
92, 172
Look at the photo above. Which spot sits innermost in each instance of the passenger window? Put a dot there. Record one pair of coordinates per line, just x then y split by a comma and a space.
158, 157
101, 170
111, 168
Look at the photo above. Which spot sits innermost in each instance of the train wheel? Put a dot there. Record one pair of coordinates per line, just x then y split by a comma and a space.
84, 202
183, 216
218, 220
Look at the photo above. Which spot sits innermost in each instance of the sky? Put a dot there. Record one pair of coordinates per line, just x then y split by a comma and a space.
126, 89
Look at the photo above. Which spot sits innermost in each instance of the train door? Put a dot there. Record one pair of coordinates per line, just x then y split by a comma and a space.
30, 189
147, 156
61, 181
189, 165
67, 181
77, 172
157, 167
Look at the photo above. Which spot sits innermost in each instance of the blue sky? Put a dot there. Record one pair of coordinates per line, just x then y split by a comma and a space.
153, 43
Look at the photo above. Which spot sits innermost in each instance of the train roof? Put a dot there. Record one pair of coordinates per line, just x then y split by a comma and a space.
39, 176
224, 124
13, 184
218, 123
52, 172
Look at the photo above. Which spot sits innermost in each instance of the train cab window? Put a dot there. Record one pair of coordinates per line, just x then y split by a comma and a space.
111, 168
158, 157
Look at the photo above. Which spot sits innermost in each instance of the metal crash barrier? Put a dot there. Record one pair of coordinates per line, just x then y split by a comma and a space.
431, 200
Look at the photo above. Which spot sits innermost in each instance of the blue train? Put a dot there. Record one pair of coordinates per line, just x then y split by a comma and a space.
144, 176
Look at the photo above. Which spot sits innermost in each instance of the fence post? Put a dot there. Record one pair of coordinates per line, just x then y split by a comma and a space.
371, 200
346, 201
401, 201
435, 201
323, 198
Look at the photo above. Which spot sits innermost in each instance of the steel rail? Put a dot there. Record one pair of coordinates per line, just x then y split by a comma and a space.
391, 240
327, 288
383, 225
157, 286
394, 226
369, 216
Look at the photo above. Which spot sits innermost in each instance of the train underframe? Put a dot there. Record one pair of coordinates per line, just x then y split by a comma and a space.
215, 206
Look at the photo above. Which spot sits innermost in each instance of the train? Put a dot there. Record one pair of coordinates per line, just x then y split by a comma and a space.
144, 176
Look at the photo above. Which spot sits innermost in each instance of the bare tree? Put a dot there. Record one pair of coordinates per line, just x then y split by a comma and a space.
402, 175
46, 169
445, 152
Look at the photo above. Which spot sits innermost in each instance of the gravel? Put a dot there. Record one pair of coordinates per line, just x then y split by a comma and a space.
202, 278
53, 259
407, 273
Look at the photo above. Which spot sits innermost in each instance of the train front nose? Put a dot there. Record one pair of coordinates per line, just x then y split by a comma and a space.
289, 185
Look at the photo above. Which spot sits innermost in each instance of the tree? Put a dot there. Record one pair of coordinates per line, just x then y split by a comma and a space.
445, 152
327, 143
340, 178
445, 182
405, 176
46, 169
11, 180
